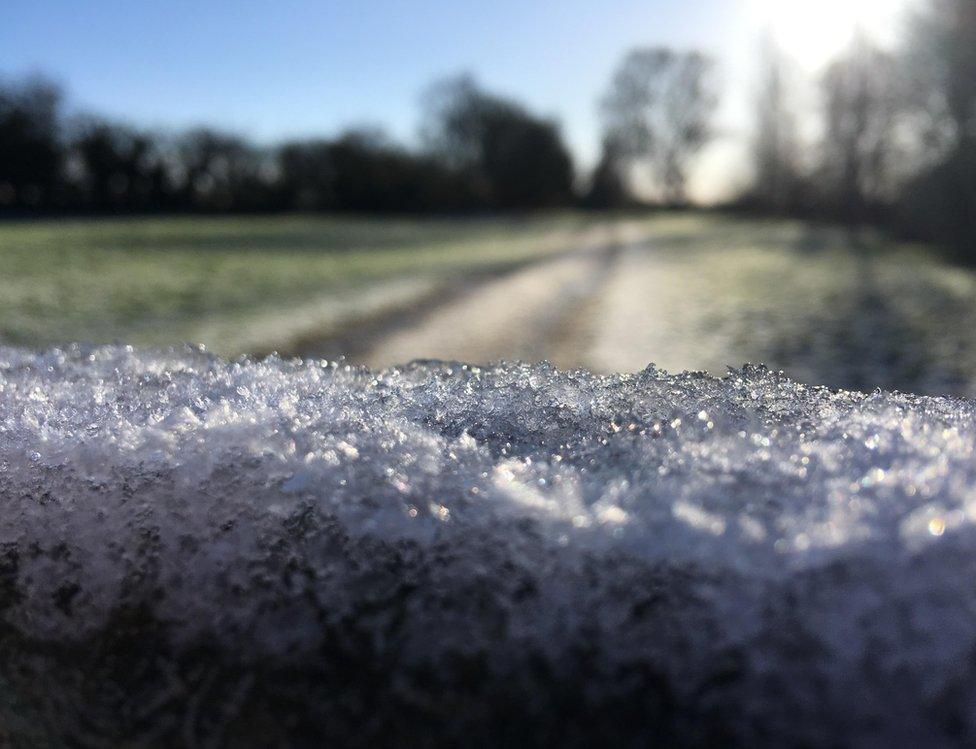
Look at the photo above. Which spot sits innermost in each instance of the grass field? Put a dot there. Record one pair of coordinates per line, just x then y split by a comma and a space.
852, 310
686, 291
239, 284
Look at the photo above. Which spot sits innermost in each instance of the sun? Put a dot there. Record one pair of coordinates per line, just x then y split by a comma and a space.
812, 33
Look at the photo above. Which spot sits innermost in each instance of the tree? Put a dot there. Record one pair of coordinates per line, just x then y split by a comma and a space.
940, 60
608, 188
116, 167
941, 56
221, 171
776, 147
513, 158
658, 110
30, 149
861, 104
363, 170
306, 175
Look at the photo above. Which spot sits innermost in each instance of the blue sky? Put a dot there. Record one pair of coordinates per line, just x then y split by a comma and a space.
298, 67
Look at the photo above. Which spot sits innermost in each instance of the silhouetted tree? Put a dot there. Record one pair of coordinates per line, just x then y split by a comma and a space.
776, 147
114, 167
307, 178
362, 170
30, 149
658, 109
512, 158
221, 171
940, 60
485, 152
608, 185
941, 52
861, 103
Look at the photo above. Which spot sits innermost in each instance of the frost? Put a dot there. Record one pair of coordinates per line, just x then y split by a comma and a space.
504, 552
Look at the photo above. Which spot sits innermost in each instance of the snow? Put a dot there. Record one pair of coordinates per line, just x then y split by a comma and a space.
508, 551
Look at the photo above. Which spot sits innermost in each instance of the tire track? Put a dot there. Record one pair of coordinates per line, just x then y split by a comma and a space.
524, 315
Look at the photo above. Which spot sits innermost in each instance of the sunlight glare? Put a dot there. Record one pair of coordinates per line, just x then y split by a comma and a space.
812, 33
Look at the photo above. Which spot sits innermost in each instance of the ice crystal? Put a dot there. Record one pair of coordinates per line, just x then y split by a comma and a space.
508, 552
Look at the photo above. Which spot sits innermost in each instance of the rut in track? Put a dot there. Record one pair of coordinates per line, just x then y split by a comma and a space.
532, 313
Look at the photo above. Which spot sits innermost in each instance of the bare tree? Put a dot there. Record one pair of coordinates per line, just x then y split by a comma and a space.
777, 147
608, 188
861, 105
518, 159
658, 110
940, 56
941, 63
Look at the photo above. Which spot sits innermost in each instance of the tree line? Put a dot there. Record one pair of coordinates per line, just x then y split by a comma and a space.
480, 151
893, 141
897, 142
894, 144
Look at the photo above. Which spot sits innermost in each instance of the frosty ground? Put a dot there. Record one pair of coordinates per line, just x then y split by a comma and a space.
292, 552
692, 292
607, 292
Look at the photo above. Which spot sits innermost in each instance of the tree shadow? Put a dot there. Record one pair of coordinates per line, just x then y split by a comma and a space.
864, 339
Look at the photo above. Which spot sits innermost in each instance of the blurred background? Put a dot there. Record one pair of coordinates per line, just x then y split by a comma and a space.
601, 184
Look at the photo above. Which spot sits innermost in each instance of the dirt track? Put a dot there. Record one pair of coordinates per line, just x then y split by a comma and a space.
543, 310
702, 294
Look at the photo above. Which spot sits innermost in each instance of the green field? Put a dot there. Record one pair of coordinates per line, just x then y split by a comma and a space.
829, 306
239, 284
686, 291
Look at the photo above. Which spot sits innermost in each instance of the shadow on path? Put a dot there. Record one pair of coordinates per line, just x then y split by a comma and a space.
864, 340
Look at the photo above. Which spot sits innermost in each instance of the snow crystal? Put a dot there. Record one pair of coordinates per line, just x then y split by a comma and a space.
257, 552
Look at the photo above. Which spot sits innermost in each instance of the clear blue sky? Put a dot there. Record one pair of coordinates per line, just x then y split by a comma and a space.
279, 68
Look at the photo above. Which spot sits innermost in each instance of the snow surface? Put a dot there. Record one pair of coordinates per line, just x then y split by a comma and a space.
505, 552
